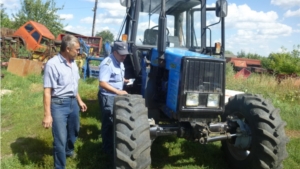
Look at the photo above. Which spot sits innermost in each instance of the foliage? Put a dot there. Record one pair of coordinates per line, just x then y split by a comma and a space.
106, 36
281, 62
228, 52
24, 53
44, 12
5, 21
229, 69
284, 62
243, 54
296, 51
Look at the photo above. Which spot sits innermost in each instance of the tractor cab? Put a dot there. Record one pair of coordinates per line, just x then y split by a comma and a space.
180, 23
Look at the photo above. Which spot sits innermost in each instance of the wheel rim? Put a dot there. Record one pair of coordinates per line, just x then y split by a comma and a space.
238, 153
240, 147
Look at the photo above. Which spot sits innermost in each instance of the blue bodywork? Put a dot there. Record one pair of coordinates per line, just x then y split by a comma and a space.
83, 47
107, 48
173, 58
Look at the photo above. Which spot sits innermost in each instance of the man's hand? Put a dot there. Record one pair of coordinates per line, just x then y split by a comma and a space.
47, 122
82, 105
121, 92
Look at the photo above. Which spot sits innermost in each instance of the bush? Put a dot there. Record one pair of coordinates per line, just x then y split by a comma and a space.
284, 62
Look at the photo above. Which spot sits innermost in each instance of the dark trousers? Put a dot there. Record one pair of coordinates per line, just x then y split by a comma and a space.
106, 106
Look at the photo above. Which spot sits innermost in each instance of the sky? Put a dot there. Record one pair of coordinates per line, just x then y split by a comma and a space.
254, 26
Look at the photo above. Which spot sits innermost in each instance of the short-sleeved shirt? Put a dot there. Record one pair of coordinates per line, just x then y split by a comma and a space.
112, 72
62, 78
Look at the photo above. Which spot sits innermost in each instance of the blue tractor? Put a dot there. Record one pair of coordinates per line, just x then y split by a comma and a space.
179, 88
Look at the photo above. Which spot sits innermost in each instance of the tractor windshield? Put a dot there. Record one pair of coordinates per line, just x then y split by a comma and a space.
179, 22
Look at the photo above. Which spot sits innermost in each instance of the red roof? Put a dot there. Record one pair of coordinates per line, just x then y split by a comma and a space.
242, 61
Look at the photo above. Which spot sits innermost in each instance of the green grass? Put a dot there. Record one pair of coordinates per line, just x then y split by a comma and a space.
26, 144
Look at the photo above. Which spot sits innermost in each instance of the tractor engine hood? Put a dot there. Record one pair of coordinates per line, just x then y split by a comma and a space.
173, 57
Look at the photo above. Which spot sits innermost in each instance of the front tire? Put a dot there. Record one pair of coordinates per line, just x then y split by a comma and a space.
265, 145
132, 142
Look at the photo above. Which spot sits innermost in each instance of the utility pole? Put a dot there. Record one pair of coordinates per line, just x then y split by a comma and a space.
94, 19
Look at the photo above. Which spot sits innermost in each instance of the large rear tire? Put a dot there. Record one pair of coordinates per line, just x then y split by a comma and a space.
132, 142
265, 145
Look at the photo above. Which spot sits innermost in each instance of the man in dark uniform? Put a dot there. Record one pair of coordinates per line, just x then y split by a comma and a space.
111, 81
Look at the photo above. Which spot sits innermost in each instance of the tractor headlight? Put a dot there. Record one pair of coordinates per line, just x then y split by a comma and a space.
192, 99
213, 100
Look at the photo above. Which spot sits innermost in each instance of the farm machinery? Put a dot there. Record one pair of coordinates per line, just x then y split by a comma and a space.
35, 43
33, 37
179, 89
89, 47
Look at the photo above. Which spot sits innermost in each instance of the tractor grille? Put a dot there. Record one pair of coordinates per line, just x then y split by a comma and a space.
203, 76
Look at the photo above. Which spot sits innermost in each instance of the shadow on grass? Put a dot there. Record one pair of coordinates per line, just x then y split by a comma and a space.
93, 109
31, 150
192, 154
90, 156
89, 132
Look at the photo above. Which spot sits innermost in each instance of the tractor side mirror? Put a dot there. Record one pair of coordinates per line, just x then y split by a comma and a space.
221, 8
126, 3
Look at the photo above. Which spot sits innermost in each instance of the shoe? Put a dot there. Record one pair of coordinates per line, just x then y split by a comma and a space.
73, 155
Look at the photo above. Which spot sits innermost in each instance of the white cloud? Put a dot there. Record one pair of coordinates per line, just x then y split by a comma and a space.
286, 3
87, 20
66, 16
262, 25
10, 4
79, 29
298, 24
116, 6
248, 28
243, 13
68, 28
290, 13
296, 30
111, 13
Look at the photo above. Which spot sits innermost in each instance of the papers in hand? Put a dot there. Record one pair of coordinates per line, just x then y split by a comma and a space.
130, 82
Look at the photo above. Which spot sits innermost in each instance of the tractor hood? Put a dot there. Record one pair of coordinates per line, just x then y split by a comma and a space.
173, 57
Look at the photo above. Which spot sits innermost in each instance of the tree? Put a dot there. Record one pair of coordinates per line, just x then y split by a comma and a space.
228, 52
5, 21
106, 36
44, 13
283, 62
296, 51
241, 54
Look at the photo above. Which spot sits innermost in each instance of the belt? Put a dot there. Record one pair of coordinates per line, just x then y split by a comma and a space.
61, 97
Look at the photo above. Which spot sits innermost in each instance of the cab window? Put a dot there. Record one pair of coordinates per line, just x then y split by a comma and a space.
29, 27
36, 35
44, 41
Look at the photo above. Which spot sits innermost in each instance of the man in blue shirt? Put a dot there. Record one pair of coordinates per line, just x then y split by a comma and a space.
111, 81
62, 101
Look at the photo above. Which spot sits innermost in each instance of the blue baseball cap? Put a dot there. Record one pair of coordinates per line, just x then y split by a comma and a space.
121, 47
